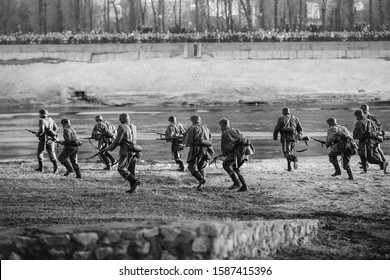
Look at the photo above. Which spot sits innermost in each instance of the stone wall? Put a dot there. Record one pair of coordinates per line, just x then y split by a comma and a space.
257, 51
179, 240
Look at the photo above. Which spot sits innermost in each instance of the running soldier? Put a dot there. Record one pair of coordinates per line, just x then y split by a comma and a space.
339, 141
365, 132
198, 138
128, 153
290, 130
366, 111
237, 150
70, 149
47, 133
104, 132
174, 134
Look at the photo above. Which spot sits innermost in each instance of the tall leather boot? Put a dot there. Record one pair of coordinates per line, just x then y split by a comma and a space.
288, 165
244, 187
55, 167
40, 166
236, 183
78, 173
106, 162
69, 168
350, 176
181, 165
336, 168
134, 183
112, 159
200, 179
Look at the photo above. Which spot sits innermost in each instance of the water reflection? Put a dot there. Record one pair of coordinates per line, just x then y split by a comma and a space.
257, 122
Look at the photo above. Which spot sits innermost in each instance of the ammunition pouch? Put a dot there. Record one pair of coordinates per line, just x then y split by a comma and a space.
76, 143
287, 130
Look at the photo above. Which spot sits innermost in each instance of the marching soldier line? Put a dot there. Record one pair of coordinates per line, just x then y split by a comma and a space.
235, 147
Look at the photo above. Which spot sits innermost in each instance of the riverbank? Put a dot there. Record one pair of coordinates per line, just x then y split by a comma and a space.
354, 215
194, 82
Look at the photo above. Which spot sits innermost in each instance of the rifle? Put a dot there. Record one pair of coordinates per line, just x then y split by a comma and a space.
214, 160
162, 137
98, 153
317, 140
87, 138
30, 131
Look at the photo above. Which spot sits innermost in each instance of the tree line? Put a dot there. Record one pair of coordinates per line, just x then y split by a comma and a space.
177, 16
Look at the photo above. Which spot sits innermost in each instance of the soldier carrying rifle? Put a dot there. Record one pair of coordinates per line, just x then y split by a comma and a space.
104, 132
367, 134
174, 134
46, 134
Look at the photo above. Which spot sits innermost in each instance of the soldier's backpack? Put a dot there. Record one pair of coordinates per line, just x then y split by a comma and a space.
290, 129
244, 141
346, 143
109, 130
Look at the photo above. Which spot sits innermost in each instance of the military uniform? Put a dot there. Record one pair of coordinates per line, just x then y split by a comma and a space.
46, 134
126, 138
365, 108
70, 150
236, 152
337, 145
290, 130
175, 130
104, 137
368, 152
198, 138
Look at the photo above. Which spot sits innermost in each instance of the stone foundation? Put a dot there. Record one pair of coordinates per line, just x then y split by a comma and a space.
180, 240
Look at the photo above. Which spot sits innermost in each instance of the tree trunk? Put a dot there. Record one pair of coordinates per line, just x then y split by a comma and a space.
142, 11
60, 27
116, 16
154, 17
276, 14
132, 17
108, 16
370, 11
381, 13
323, 13
179, 16
247, 7
351, 8
300, 14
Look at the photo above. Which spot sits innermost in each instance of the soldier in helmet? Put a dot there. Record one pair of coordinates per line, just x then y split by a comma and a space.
337, 140
104, 132
198, 138
70, 150
366, 111
236, 150
365, 132
126, 138
174, 134
290, 130
47, 133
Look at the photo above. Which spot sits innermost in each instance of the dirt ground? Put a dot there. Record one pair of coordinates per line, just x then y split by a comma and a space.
354, 215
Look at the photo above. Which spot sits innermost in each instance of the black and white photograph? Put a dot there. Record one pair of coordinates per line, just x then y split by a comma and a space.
188, 130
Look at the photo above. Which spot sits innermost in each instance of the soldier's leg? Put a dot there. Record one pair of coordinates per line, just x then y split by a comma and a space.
111, 158
50, 148
134, 182
41, 149
346, 166
106, 161
177, 158
75, 165
237, 170
373, 157
63, 159
227, 165
380, 152
335, 162
192, 167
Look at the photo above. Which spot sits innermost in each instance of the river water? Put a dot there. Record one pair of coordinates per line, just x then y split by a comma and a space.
256, 122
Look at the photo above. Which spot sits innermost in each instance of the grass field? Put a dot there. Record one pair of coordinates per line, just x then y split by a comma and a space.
355, 219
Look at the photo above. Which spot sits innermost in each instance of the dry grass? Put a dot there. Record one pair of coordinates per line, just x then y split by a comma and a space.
355, 215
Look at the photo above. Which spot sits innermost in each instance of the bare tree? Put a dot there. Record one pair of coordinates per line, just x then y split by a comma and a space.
324, 6
132, 16
300, 14
276, 2
228, 12
142, 9
248, 10
381, 12
370, 13
116, 15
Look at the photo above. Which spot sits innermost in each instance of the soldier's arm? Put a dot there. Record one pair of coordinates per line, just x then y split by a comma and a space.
67, 137
299, 126
277, 128
118, 139
41, 128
